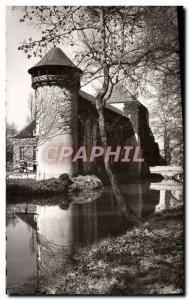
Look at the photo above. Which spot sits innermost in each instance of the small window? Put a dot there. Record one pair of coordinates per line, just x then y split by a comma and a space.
34, 132
34, 152
21, 153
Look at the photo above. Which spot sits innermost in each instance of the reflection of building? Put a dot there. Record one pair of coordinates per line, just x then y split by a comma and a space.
67, 116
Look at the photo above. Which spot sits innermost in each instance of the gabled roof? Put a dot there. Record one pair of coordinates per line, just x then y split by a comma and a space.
55, 57
92, 99
27, 132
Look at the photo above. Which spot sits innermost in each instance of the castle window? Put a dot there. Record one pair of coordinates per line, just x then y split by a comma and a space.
34, 132
21, 150
34, 152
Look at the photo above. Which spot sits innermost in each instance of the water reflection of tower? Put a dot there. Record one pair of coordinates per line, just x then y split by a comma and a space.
56, 81
71, 229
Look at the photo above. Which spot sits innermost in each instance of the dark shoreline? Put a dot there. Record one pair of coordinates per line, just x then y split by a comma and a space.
30, 188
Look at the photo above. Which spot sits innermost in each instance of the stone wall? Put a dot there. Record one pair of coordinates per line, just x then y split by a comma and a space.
119, 133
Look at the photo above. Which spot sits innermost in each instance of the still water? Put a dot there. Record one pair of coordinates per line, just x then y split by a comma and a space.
45, 238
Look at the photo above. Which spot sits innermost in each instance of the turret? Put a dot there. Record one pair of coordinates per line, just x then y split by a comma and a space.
56, 81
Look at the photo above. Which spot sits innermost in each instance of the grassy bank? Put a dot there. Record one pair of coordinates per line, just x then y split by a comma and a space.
23, 189
33, 188
145, 260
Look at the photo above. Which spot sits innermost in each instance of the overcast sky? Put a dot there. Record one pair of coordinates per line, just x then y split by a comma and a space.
18, 81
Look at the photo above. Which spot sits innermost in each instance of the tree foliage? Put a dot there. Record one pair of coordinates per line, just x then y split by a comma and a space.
166, 120
166, 108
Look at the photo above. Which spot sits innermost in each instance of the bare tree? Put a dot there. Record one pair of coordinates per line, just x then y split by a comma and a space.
52, 122
31, 108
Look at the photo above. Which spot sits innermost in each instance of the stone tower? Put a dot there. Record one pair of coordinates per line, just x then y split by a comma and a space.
139, 117
132, 110
56, 81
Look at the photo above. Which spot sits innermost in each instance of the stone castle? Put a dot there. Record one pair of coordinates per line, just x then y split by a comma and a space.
65, 115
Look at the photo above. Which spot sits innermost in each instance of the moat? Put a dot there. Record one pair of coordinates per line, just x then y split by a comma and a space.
47, 238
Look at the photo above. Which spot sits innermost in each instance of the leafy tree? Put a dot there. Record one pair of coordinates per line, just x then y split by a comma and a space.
163, 75
166, 121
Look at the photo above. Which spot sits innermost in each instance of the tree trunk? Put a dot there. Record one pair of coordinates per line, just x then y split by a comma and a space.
100, 103
122, 202
167, 150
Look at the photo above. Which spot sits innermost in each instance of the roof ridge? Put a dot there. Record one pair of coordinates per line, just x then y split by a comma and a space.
26, 132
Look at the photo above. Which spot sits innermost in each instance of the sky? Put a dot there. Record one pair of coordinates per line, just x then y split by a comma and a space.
18, 81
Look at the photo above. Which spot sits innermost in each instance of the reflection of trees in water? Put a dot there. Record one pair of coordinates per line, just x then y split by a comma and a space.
51, 257
11, 219
92, 221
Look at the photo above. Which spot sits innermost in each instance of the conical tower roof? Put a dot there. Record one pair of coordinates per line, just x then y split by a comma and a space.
55, 57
